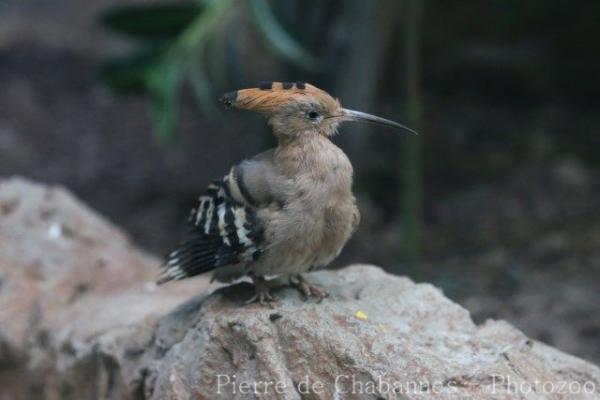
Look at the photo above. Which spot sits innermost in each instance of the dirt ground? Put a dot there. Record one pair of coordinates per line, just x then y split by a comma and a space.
524, 247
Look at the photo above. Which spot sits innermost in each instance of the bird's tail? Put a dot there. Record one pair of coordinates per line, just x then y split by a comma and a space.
193, 257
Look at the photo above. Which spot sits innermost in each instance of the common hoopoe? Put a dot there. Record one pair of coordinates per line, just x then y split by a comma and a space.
285, 211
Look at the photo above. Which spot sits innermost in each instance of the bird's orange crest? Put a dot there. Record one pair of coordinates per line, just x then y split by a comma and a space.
270, 96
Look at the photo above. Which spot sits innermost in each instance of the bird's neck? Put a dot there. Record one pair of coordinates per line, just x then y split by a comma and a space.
314, 156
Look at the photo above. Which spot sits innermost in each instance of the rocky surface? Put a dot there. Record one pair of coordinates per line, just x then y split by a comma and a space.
81, 319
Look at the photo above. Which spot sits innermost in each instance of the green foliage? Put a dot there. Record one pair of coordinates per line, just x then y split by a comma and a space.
277, 37
164, 83
129, 73
179, 43
156, 21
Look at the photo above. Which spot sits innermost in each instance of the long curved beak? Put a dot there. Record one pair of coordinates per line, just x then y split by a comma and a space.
359, 116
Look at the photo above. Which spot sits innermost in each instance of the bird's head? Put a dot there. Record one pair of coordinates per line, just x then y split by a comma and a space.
295, 109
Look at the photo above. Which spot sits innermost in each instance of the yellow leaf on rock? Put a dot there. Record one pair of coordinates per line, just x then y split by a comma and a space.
360, 315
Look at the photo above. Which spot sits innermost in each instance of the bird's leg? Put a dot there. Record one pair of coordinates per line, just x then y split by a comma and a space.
262, 292
306, 289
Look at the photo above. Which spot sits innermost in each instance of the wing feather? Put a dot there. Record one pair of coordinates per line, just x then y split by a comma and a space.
223, 231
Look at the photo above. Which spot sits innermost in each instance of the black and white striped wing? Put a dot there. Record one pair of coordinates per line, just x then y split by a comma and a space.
223, 232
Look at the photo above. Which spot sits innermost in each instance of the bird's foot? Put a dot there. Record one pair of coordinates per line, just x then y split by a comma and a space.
306, 289
262, 292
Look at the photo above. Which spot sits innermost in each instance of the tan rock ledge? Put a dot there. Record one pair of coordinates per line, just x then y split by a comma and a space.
80, 319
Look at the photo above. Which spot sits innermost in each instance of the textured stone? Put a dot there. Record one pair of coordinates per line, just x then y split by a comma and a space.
79, 319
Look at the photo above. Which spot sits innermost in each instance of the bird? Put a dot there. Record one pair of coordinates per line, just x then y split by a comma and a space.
285, 211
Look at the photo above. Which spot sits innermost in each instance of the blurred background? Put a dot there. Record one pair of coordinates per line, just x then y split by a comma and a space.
496, 202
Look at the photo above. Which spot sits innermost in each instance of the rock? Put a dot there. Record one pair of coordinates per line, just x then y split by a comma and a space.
80, 319
66, 275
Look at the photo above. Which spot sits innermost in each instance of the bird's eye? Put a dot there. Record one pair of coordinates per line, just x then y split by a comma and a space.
312, 114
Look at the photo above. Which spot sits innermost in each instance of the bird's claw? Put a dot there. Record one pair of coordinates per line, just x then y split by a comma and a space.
308, 290
262, 297
262, 293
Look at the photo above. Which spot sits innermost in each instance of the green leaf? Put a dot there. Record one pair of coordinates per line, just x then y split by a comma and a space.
153, 22
204, 25
128, 74
163, 76
278, 38
165, 83
201, 87
216, 67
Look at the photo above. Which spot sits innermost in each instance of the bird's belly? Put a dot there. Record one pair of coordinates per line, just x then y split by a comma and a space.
301, 239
